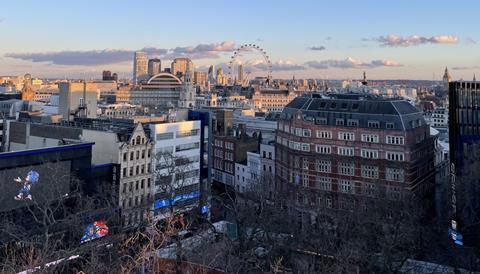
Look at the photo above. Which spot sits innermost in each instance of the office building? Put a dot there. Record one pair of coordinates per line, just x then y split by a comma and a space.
272, 100
154, 67
340, 152
140, 67
180, 67
240, 74
200, 78
464, 140
78, 99
211, 75
180, 185
158, 93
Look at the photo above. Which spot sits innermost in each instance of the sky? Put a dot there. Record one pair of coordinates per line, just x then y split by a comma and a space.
339, 39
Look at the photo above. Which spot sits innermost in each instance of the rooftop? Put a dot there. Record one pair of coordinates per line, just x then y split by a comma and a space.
356, 107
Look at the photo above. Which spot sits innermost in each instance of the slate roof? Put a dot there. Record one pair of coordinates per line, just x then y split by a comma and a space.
356, 107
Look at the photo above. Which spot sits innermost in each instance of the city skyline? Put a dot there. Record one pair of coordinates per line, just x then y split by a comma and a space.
331, 41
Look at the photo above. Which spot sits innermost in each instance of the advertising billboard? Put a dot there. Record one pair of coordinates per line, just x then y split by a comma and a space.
27, 185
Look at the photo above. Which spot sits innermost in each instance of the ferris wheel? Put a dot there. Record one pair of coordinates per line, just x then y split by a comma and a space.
249, 48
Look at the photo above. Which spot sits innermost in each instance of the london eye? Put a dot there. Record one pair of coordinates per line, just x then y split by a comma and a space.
238, 59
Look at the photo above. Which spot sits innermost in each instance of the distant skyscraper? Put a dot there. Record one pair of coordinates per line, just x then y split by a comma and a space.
106, 75
139, 66
221, 78
179, 67
154, 66
200, 78
240, 74
211, 74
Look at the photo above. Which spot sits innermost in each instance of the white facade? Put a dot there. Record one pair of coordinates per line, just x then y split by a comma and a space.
182, 140
242, 177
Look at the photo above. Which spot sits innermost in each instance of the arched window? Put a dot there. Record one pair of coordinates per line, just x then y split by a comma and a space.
138, 140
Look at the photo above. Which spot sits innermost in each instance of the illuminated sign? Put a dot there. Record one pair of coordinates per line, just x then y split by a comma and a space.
453, 230
182, 197
97, 229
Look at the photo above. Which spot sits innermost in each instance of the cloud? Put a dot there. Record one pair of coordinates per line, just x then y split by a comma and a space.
466, 68
328, 38
281, 65
349, 63
2, 19
113, 56
319, 48
470, 41
414, 40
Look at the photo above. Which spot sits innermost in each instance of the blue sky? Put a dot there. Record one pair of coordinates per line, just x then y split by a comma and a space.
388, 39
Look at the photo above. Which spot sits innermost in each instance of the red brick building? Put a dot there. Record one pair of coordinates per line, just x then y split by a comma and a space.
335, 152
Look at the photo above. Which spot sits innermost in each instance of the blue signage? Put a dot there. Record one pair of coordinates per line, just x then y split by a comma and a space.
456, 236
205, 209
182, 197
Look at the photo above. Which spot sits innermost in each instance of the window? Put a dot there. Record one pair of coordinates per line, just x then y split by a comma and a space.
136, 185
324, 183
219, 143
328, 202
324, 134
124, 188
131, 156
142, 184
228, 156
187, 133
298, 131
394, 174
137, 153
346, 169
305, 147
370, 172
321, 121
352, 123
345, 151
124, 172
346, 186
305, 164
131, 171
125, 156
339, 122
286, 128
390, 125
307, 133
370, 138
143, 154
323, 149
347, 136
323, 166
305, 180
229, 145
296, 162
395, 156
187, 146
393, 192
369, 153
395, 140
373, 124
369, 189
165, 136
